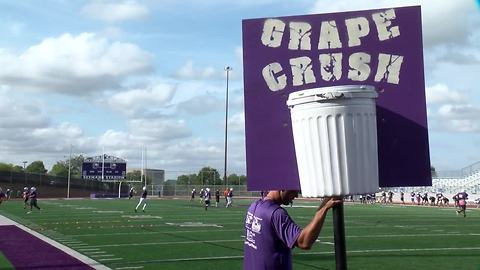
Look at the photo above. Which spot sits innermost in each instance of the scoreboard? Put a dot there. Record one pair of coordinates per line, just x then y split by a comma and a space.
104, 168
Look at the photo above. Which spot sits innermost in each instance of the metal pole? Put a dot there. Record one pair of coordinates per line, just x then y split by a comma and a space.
69, 171
339, 236
25, 171
227, 69
119, 189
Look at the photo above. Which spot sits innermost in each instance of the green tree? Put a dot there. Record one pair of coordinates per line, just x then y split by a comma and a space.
36, 167
209, 176
233, 179
61, 167
243, 180
136, 175
10, 168
188, 179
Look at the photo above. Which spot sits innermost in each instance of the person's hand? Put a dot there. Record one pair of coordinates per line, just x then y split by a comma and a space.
329, 202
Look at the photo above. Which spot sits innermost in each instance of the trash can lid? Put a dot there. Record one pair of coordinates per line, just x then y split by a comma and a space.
331, 93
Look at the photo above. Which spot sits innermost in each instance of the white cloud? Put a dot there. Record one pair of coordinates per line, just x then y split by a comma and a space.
189, 71
73, 65
141, 101
236, 123
115, 11
440, 93
201, 104
459, 118
14, 114
444, 22
463, 111
159, 129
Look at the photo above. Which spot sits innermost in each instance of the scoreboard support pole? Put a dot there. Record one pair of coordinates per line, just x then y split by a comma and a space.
119, 188
339, 236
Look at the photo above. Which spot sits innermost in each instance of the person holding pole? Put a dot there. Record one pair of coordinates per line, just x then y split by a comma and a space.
270, 233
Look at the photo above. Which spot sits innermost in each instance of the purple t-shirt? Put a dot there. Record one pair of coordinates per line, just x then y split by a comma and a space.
270, 234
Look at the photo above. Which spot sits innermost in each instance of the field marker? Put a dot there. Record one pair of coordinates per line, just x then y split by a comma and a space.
110, 259
132, 233
325, 242
393, 250
95, 252
102, 255
89, 249
129, 267
168, 243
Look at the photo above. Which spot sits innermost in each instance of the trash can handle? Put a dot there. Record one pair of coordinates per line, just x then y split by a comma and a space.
329, 95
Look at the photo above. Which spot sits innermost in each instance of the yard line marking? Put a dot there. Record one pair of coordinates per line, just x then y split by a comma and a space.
89, 249
325, 242
130, 267
162, 232
102, 255
188, 259
321, 241
392, 250
95, 252
168, 243
110, 259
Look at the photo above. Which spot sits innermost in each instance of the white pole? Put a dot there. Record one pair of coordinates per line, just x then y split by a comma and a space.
69, 172
103, 163
119, 188
145, 167
142, 166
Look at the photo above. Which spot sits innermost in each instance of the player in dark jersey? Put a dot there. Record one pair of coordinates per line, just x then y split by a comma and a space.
2, 195
130, 193
143, 199
462, 203
33, 199
192, 197
217, 197
402, 197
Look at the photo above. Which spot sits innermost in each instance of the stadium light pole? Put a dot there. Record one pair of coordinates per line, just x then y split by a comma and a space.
25, 171
69, 172
227, 70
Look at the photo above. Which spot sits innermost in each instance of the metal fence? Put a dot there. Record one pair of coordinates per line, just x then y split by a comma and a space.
186, 190
52, 186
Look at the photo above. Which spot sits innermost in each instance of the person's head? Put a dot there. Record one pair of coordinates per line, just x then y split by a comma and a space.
287, 196
33, 189
144, 188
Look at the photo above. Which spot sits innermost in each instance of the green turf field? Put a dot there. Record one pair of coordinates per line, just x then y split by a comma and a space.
4, 263
179, 234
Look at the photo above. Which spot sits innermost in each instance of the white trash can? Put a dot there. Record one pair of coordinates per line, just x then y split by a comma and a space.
335, 137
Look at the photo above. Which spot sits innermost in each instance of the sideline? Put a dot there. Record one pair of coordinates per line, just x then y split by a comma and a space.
86, 260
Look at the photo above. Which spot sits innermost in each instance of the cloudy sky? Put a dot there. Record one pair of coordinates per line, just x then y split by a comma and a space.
119, 75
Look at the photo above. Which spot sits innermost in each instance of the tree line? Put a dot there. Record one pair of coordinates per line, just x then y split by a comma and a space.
205, 176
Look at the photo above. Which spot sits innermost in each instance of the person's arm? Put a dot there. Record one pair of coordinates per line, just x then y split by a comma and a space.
310, 233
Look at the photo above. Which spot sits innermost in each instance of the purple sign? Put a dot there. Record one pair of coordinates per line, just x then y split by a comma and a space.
382, 48
104, 168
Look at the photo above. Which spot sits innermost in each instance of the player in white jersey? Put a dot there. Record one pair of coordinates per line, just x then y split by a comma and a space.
143, 199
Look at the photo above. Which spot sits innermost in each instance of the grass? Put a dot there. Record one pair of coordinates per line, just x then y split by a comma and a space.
4, 263
179, 234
